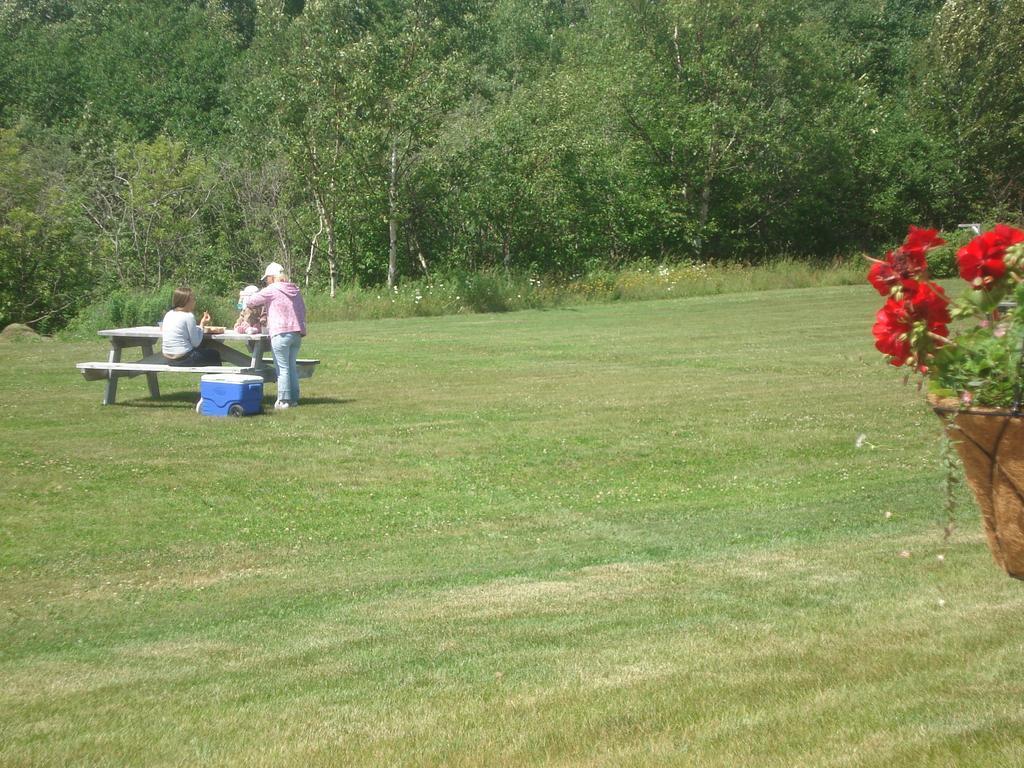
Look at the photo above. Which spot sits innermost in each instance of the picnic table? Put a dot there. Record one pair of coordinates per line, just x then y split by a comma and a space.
151, 364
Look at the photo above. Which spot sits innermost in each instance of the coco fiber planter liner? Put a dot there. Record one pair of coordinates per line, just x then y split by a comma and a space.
990, 443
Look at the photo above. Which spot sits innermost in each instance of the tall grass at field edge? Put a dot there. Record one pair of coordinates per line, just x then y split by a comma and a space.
491, 291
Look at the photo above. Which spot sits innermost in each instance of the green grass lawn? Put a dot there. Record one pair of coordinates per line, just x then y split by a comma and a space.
622, 535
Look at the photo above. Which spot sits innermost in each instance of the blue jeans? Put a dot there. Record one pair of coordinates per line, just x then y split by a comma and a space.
285, 347
198, 356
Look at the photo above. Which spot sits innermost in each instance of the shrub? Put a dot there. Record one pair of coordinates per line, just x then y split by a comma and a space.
126, 309
483, 291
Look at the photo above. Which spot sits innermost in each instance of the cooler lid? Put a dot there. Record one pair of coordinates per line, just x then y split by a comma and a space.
231, 378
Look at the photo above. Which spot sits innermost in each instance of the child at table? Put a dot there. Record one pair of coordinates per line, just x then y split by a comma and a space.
250, 319
182, 339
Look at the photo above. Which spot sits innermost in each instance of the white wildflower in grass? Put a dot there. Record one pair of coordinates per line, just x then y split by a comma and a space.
862, 440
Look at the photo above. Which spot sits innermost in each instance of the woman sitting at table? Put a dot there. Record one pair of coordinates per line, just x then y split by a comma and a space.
182, 338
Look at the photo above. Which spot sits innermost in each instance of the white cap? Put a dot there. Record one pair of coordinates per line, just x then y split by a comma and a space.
273, 270
249, 290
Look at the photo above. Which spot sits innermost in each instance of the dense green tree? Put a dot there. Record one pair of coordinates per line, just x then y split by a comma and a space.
147, 207
46, 267
879, 43
120, 69
974, 94
256, 213
354, 94
731, 104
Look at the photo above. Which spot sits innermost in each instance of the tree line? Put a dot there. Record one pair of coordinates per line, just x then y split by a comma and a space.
144, 143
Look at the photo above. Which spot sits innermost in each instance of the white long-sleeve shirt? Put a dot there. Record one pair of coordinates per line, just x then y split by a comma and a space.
181, 334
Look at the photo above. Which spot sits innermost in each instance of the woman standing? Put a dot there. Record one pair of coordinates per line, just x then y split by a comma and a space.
286, 324
182, 339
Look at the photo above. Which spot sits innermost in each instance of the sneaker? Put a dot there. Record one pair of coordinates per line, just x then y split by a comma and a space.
280, 405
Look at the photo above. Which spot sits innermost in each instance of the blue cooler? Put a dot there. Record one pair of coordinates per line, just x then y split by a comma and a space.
230, 394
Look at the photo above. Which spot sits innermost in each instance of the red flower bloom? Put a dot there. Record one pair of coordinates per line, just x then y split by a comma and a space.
902, 267
885, 276
930, 304
905, 329
892, 332
920, 240
982, 261
914, 323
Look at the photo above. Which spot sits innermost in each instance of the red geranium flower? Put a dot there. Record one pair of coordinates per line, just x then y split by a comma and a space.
901, 267
931, 305
884, 276
919, 240
913, 327
982, 261
907, 329
892, 332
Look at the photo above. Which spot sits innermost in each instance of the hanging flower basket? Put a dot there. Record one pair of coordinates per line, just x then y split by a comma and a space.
975, 375
990, 443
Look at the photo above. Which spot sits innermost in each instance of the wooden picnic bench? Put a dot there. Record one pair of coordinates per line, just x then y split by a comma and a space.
152, 363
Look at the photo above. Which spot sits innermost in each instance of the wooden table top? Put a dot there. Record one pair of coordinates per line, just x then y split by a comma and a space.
154, 332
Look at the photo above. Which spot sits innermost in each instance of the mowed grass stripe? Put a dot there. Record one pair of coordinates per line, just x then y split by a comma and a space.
635, 534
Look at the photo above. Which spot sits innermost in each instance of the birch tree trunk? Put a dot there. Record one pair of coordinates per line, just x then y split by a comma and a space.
331, 250
702, 219
325, 225
326, 221
393, 218
313, 244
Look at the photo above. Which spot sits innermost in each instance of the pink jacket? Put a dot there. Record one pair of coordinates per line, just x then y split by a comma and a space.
286, 311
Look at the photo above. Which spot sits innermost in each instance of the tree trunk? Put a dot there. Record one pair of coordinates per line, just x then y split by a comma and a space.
326, 222
415, 252
282, 238
705, 208
328, 225
313, 243
331, 250
393, 219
